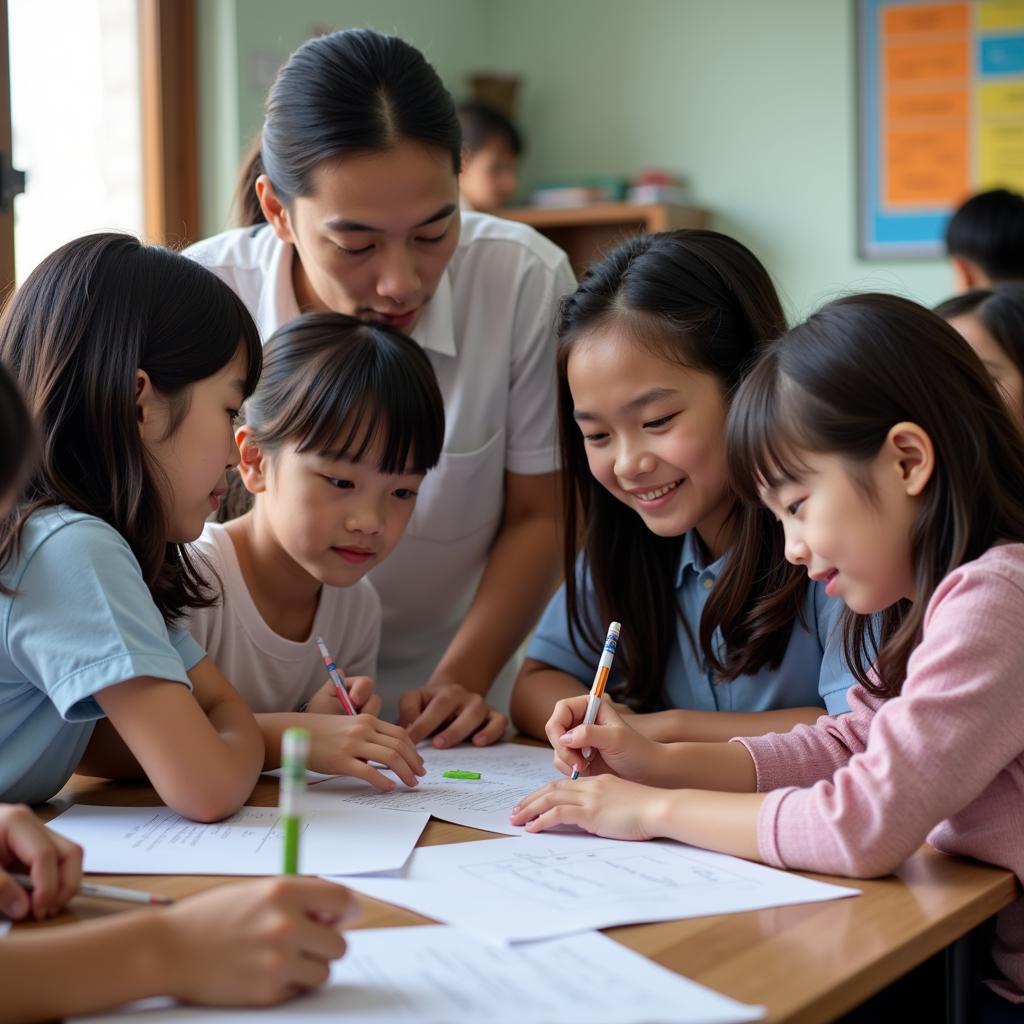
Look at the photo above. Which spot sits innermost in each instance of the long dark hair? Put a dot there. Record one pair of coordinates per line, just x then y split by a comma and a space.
703, 300
1000, 311
335, 385
837, 384
347, 92
75, 334
17, 440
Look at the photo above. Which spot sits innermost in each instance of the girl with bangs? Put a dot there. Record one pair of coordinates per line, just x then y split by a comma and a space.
719, 635
877, 437
133, 361
346, 421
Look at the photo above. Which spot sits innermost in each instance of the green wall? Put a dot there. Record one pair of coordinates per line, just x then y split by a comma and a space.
753, 102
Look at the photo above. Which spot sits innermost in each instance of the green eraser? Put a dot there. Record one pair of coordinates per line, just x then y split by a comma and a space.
461, 775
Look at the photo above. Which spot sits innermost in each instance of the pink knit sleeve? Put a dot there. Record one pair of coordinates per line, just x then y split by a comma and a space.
930, 752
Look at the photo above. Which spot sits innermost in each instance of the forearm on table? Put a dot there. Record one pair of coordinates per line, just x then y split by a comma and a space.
538, 689
678, 725
721, 767
100, 964
517, 583
725, 822
272, 726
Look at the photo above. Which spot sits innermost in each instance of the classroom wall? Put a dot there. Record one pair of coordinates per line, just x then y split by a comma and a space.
753, 102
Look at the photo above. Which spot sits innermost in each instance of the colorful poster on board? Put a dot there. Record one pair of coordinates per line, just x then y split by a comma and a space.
941, 115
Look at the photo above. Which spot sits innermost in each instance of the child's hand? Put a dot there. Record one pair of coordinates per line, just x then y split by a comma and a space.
615, 746
255, 943
342, 744
605, 805
54, 864
360, 690
457, 712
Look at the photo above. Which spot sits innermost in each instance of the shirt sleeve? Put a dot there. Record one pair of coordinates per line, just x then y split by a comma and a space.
531, 433
930, 752
551, 643
108, 629
835, 676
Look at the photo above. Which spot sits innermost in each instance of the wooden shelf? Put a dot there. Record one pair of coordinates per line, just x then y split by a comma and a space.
588, 232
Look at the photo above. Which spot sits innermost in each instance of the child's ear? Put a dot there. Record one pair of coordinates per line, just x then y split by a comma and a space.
967, 274
273, 209
150, 409
913, 456
252, 463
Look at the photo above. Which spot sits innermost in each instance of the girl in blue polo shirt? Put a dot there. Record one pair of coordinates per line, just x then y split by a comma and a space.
720, 636
134, 362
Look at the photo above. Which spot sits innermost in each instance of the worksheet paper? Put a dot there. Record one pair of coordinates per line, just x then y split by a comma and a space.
508, 772
336, 838
438, 975
543, 886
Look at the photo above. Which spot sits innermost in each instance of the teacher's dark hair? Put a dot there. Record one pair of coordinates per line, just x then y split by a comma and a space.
354, 91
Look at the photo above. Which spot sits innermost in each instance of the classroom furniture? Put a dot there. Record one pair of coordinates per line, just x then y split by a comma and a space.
805, 964
587, 232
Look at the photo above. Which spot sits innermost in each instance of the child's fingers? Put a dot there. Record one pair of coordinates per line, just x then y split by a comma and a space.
410, 706
565, 715
360, 690
532, 805
391, 759
440, 706
473, 714
70, 871
399, 737
492, 731
372, 706
595, 736
358, 770
14, 901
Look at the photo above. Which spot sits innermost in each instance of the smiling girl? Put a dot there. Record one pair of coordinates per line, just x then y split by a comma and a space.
350, 206
718, 635
844, 429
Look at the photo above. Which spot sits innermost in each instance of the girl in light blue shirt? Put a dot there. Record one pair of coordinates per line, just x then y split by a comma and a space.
719, 635
134, 362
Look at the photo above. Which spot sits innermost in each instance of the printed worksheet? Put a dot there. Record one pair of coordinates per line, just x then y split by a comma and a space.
337, 838
438, 975
508, 772
543, 886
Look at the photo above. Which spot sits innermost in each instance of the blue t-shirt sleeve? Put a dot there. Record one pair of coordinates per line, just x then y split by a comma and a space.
83, 619
551, 643
834, 676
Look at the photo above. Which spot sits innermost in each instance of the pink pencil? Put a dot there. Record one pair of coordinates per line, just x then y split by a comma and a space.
339, 683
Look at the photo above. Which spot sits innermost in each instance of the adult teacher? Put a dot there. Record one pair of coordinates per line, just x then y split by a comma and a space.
351, 205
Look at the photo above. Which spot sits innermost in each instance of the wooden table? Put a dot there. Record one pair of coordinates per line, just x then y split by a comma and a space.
805, 964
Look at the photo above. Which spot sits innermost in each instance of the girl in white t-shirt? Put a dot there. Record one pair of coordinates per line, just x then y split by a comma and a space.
337, 438
351, 204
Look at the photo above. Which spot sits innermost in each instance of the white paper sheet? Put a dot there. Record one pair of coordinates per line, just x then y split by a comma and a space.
337, 838
438, 975
508, 772
543, 886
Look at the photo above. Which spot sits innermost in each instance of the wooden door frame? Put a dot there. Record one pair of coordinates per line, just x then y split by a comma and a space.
167, 78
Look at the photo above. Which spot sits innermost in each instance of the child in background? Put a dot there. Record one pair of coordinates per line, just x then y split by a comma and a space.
491, 150
249, 944
134, 361
985, 240
719, 636
992, 323
346, 420
844, 429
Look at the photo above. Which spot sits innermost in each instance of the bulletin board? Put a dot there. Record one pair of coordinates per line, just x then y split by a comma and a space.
941, 115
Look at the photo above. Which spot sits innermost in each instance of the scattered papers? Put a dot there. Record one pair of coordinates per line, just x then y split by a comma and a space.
543, 886
337, 838
438, 975
508, 772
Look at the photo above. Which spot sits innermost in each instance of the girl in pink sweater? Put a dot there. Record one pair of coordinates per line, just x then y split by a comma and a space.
876, 437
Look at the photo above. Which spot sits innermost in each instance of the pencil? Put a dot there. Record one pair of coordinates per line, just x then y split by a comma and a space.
335, 677
294, 751
108, 892
604, 667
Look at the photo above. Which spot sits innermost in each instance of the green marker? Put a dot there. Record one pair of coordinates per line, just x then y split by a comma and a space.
461, 775
294, 749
